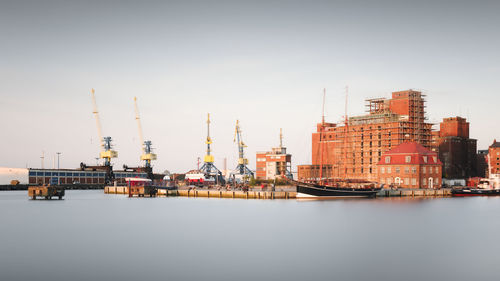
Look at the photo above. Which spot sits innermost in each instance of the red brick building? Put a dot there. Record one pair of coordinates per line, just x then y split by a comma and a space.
457, 151
354, 149
272, 164
410, 165
494, 158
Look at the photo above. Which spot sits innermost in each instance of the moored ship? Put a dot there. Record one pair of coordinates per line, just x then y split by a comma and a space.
486, 187
344, 189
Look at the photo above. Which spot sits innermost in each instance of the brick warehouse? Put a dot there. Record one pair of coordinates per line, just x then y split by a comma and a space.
410, 165
457, 151
274, 163
494, 158
353, 150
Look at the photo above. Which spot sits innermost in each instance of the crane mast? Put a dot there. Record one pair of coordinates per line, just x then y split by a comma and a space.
146, 146
208, 167
105, 142
97, 120
241, 168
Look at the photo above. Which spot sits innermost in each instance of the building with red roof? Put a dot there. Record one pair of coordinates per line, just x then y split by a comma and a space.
410, 165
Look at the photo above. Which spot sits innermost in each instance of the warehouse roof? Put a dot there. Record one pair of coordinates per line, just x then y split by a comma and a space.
409, 153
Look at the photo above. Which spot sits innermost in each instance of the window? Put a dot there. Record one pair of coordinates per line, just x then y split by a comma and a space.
387, 159
425, 159
382, 180
424, 182
413, 170
382, 170
407, 170
413, 181
423, 170
389, 170
397, 170
389, 180
32, 174
408, 159
407, 181
435, 159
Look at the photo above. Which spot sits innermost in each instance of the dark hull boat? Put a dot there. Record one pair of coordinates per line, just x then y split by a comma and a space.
475, 192
321, 191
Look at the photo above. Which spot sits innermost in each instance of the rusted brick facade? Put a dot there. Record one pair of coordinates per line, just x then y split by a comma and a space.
272, 164
494, 158
456, 150
410, 165
353, 151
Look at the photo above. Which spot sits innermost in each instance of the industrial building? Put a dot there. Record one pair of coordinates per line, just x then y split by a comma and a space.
494, 159
482, 163
68, 176
354, 148
410, 165
457, 151
274, 164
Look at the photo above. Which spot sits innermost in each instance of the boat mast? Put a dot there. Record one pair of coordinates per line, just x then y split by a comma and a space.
346, 132
321, 146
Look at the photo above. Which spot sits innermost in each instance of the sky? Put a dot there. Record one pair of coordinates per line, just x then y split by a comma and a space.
264, 63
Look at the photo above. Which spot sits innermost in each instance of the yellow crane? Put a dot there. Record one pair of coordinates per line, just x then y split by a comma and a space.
105, 142
208, 167
147, 154
241, 169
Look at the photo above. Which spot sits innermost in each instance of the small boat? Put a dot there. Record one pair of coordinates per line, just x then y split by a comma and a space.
475, 192
319, 191
486, 187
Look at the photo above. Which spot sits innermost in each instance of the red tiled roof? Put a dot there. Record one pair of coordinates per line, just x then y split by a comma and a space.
413, 149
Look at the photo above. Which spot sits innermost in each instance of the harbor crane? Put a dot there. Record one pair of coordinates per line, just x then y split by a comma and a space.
147, 152
107, 151
241, 171
208, 167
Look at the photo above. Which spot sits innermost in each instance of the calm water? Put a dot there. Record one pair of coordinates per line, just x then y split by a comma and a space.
93, 236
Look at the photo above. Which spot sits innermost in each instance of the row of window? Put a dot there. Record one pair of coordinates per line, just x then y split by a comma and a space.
407, 170
408, 159
65, 174
406, 181
83, 174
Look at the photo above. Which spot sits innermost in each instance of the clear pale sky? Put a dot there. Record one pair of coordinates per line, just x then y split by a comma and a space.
262, 62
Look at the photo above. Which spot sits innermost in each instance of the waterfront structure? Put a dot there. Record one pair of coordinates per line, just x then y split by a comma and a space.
456, 150
274, 163
69, 176
410, 165
482, 163
494, 159
353, 149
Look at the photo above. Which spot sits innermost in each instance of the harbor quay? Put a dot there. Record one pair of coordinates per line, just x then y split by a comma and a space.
288, 192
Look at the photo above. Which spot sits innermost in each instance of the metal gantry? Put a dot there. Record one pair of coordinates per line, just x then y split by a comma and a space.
106, 147
241, 171
208, 167
147, 152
